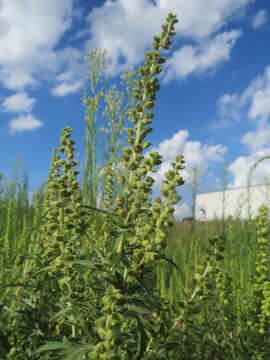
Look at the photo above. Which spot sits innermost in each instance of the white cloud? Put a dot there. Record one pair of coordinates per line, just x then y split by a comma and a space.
126, 27
28, 47
259, 19
195, 154
70, 80
228, 111
65, 88
19, 102
24, 123
28, 34
182, 211
200, 155
28, 53
260, 106
257, 95
258, 143
258, 139
252, 103
241, 166
195, 22
80, 34
169, 148
197, 59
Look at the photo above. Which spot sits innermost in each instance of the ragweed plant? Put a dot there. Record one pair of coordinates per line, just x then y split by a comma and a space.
135, 200
129, 316
259, 320
87, 273
47, 295
207, 312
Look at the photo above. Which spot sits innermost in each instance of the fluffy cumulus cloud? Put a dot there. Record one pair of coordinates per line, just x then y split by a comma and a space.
260, 96
258, 144
29, 55
64, 88
182, 211
24, 123
27, 46
257, 97
259, 19
197, 59
70, 79
115, 26
19, 102
196, 154
239, 168
253, 104
257, 139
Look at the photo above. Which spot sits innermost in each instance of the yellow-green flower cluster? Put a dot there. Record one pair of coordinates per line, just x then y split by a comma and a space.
109, 186
260, 322
65, 220
139, 187
223, 284
163, 209
108, 326
108, 204
135, 201
7, 239
153, 229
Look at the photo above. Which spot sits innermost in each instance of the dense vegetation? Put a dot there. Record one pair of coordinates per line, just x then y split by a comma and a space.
93, 268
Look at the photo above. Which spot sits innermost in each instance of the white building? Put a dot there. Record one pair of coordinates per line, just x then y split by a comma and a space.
237, 202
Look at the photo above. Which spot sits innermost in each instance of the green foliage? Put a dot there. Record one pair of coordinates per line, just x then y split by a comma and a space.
117, 278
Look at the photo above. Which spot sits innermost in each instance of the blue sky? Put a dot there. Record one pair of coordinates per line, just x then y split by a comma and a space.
214, 103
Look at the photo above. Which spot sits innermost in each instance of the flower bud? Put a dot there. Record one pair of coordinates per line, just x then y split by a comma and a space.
133, 115
170, 175
147, 144
146, 121
132, 166
120, 200
59, 237
130, 140
149, 104
158, 69
139, 108
162, 60
125, 157
179, 158
138, 149
178, 180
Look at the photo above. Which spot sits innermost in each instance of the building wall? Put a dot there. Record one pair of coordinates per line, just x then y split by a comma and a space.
210, 205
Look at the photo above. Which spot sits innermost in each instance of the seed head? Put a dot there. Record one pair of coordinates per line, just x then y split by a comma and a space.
132, 166
120, 200
138, 149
